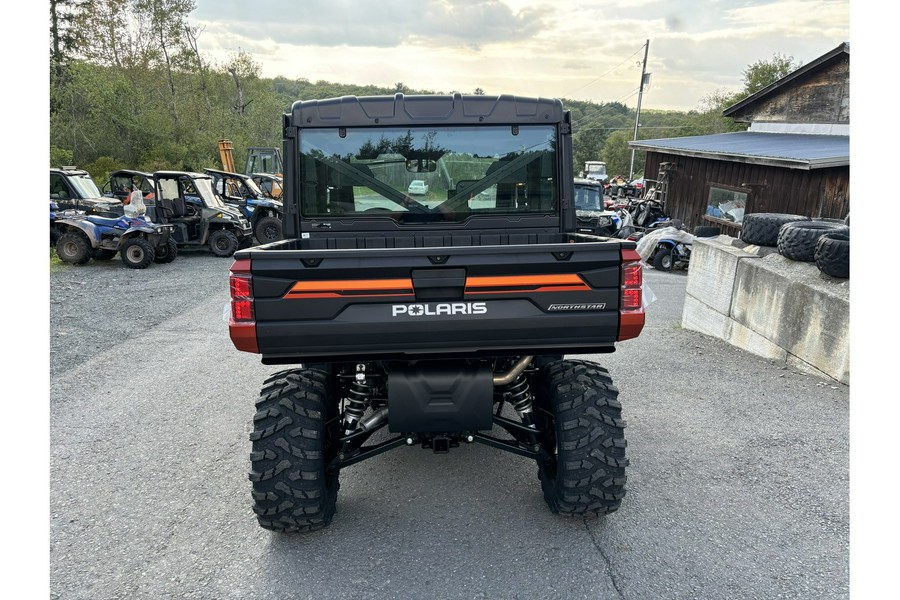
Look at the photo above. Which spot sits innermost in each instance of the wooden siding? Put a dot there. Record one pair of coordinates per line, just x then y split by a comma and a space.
822, 96
815, 193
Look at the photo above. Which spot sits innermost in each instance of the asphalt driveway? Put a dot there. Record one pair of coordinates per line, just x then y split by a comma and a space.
738, 484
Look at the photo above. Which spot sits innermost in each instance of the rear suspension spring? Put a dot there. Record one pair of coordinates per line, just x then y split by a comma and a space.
519, 395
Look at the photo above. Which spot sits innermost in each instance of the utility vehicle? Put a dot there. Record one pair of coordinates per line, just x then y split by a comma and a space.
435, 321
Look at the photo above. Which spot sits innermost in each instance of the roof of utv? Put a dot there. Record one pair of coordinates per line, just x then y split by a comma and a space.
401, 110
226, 173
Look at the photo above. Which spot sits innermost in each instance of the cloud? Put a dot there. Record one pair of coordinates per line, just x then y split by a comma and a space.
389, 23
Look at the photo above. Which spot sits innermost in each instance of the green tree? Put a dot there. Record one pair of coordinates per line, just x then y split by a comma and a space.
763, 73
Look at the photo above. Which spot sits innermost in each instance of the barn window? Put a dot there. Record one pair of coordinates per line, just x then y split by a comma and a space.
726, 204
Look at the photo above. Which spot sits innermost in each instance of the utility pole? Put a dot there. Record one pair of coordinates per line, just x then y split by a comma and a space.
637, 117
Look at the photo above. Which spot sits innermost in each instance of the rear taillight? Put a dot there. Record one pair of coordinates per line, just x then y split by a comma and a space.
631, 308
242, 326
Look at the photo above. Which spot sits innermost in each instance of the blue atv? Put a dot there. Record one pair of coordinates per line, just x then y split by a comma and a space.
137, 240
54, 230
241, 191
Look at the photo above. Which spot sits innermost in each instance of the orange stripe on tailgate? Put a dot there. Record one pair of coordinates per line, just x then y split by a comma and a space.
351, 287
536, 283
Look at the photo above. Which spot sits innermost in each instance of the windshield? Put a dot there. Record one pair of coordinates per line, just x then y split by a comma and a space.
202, 187
184, 186
588, 197
85, 186
596, 169
255, 192
428, 174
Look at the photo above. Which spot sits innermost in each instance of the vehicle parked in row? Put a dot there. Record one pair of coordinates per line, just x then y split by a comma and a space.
200, 217
591, 213
72, 188
241, 191
596, 170
271, 184
136, 180
138, 241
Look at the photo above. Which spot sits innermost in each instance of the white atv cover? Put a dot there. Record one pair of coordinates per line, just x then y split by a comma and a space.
135, 206
647, 244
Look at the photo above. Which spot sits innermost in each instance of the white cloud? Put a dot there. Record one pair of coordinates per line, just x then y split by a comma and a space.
570, 48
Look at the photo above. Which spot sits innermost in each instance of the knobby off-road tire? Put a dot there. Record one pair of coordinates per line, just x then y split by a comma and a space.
166, 253
761, 229
137, 253
74, 247
797, 241
223, 243
268, 229
585, 438
292, 491
706, 231
832, 254
662, 260
55, 234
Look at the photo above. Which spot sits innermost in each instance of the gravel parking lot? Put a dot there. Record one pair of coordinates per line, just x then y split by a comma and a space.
738, 484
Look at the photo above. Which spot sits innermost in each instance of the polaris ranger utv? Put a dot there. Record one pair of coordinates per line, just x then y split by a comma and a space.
421, 318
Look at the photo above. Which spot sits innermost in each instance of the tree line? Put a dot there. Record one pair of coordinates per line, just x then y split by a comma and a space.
129, 88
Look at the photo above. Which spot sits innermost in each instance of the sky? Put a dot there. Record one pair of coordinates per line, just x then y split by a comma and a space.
578, 49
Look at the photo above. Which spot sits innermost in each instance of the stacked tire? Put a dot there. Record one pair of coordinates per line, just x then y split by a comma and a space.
824, 242
761, 229
832, 254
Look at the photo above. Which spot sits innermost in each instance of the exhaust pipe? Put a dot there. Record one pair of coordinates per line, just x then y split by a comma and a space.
510, 376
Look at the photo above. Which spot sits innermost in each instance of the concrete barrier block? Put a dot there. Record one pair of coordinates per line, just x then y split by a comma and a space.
712, 272
795, 307
697, 316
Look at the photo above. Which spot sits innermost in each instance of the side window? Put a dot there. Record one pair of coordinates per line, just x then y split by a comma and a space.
188, 187
58, 189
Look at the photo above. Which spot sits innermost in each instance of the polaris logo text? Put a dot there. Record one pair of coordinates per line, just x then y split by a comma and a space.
434, 310
593, 306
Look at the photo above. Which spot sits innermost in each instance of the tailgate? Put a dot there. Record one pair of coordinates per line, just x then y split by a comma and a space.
339, 305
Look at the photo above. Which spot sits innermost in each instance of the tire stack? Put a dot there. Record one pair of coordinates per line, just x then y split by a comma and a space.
823, 241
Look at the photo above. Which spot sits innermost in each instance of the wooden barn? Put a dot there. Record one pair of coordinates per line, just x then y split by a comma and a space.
794, 158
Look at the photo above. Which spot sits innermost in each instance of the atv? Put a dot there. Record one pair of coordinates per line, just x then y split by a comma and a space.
137, 240
241, 191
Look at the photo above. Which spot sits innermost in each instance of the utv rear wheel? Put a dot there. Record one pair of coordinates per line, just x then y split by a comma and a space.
137, 253
223, 243
74, 247
167, 252
293, 443
268, 229
578, 413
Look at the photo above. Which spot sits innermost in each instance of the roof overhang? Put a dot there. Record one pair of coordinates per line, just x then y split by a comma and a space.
791, 151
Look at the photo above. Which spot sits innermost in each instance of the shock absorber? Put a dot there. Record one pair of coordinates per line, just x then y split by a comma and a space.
359, 396
520, 397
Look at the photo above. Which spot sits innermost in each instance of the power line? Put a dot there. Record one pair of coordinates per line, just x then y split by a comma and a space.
594, 115
605, 74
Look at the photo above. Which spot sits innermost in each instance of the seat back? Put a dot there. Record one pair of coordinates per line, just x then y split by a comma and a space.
179, 208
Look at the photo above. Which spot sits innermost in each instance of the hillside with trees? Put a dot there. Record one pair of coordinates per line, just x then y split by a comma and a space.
129, 88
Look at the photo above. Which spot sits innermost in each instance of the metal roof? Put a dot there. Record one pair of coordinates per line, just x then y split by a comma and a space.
790, 150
